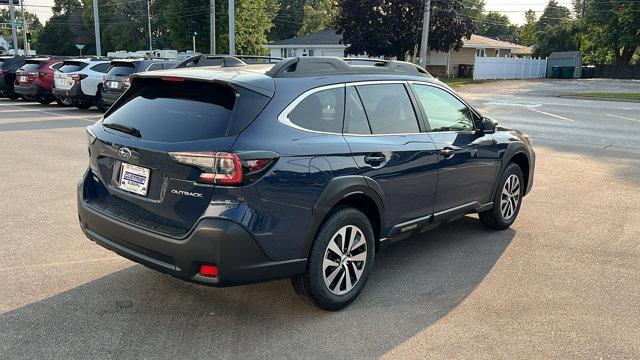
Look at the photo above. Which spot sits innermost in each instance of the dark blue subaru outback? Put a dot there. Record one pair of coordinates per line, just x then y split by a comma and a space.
300, 169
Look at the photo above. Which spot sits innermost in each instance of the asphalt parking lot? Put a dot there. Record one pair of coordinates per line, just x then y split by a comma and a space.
563, 282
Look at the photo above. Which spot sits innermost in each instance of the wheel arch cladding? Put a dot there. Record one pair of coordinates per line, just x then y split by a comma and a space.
521, 159
354, 191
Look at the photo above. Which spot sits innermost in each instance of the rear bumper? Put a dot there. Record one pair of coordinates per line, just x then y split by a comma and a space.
32, 90
74, 93
110, 96
213, 241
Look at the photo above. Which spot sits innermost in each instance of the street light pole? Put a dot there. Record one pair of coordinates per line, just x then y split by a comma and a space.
96, 26
232, 30
212, 25
24, 28
12, 15
425, 33
149, 23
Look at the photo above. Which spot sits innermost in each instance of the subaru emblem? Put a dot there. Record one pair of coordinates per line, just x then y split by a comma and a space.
124, 152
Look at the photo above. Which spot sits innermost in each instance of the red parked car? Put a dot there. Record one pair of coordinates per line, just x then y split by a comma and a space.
34, 79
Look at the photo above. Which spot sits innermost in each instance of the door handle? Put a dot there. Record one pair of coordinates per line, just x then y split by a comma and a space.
375, 159
447, 152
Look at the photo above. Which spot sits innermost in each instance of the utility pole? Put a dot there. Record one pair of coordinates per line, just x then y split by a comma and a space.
13, 27
212, 26
425, 33
149, 23
24, 28
232, 28
96, 25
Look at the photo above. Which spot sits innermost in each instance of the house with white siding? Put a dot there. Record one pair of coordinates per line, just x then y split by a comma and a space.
328, 43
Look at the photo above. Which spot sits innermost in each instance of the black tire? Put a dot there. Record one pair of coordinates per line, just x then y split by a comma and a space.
311, 285
82, 105
45, 100
28, 98
99, 103
64, 101
495, 218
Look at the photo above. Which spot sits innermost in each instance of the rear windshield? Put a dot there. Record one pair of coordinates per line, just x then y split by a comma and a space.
169, 111
68, 67
32, 67
121, 70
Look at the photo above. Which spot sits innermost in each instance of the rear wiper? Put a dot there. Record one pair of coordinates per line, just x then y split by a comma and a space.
123, 128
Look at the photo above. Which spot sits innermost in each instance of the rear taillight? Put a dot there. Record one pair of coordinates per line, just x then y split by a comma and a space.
3, 71
78, 77
218, 167
127, 82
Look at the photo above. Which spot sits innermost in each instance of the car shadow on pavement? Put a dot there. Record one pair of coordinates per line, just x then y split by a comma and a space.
139, 313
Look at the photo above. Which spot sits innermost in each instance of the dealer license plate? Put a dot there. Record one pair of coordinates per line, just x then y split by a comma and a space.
134, 179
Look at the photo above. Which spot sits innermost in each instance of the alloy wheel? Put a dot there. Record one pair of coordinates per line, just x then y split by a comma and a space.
510, 197
344, 260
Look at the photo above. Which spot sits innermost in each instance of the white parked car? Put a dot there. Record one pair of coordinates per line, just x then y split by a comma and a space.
78, 81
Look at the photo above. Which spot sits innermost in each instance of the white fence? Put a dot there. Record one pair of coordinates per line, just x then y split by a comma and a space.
489, 68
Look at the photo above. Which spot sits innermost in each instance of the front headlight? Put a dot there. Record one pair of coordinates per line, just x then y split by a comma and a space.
528, 139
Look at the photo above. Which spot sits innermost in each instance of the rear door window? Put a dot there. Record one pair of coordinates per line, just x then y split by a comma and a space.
388, 108
69, 67
355, 119
320, 111
168, 111
121, 70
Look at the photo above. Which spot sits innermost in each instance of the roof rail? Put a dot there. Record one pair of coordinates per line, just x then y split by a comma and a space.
314, 66
211, 60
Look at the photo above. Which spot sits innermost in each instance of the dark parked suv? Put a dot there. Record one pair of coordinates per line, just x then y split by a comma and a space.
115, 81
301, 169
8, 68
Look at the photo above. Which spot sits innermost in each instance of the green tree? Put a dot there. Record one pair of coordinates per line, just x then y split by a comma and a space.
32, 20
65, 29
527, 32
498, 26
384, 28
554, 14
288, 20
611, 30
254, 19
319, 15
474, 9
564, 36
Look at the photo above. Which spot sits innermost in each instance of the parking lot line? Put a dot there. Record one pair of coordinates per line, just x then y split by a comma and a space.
550, 114
622, 117
52, 113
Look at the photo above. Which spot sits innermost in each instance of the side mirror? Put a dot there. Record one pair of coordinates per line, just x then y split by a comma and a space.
489, 125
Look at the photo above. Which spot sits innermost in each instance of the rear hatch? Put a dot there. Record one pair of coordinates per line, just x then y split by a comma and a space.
29, 72
62, 78
139, 176
117, 74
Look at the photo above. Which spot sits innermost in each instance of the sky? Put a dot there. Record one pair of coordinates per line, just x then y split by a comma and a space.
514, 9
